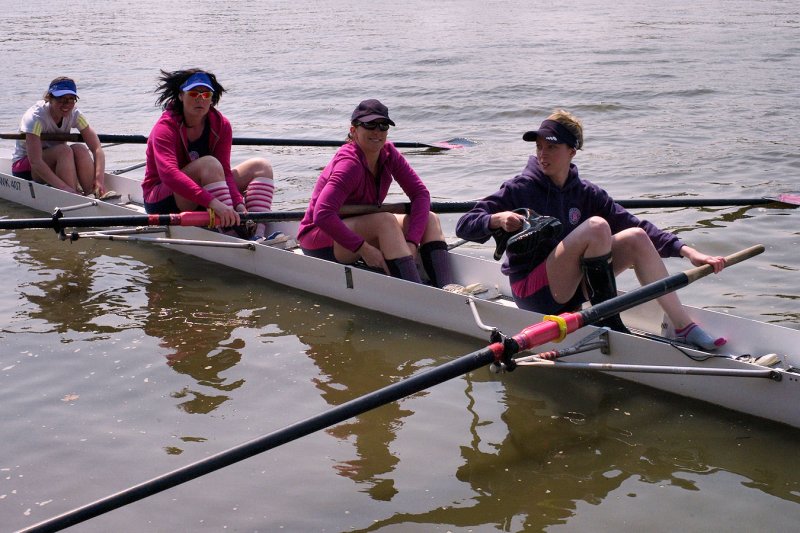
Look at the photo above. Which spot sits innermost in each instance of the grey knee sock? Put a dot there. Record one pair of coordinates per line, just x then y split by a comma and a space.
436, 260
404, 268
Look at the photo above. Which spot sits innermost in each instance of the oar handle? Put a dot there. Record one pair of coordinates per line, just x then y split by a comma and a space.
698, 272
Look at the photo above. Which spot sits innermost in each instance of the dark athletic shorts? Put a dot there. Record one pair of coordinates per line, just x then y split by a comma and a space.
162, 207
321, 253
532, 292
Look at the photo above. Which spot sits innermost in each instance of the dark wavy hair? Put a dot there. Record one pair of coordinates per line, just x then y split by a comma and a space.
170, 88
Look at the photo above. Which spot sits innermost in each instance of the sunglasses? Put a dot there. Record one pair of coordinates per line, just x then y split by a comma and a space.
66, 99
382, 126
206, 95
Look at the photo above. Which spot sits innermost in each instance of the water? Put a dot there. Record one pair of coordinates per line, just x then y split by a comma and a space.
121, 362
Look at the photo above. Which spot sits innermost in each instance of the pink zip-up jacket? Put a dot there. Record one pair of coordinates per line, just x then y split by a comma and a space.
167, 153
346, 180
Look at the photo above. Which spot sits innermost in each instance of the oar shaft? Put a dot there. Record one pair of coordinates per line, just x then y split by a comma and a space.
467, 205
241, 141
788, 199
658, 369
190, 218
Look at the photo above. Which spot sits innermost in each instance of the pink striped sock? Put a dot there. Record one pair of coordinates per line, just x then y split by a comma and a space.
220, 191
258, 199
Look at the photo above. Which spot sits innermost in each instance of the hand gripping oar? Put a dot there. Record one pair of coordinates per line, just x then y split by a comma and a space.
241, 141
551, 329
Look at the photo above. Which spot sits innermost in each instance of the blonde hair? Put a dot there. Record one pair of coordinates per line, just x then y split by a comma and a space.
571, 122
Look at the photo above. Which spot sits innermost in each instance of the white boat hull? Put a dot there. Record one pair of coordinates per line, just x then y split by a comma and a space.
775, 400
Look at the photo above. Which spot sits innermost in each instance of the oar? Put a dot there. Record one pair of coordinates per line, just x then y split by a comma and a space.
188, 218
498, 352
242, 141
201, 218
657, 369
791, 199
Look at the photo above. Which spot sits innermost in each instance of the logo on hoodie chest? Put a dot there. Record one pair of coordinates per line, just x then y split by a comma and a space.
574, 216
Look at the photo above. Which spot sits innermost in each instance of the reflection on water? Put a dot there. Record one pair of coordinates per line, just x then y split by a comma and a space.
197, 339
573, 439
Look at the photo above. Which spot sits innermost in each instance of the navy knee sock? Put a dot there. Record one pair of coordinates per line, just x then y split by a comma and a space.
405, 268
436, 260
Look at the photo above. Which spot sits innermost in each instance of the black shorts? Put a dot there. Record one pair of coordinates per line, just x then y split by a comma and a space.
26, 175
321, 253
163, 207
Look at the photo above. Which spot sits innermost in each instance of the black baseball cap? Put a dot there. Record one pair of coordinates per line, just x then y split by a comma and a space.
370, 110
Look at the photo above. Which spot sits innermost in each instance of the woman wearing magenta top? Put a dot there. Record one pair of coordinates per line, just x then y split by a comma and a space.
361, 173
600, 238
189, 155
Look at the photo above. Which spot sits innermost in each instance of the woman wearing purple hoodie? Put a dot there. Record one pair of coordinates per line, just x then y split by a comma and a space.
598, 240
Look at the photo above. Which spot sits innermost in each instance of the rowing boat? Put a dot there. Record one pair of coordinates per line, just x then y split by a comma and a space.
647, 357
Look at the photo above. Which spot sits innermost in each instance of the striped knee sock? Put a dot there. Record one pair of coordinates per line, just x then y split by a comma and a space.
220, 191
258, 199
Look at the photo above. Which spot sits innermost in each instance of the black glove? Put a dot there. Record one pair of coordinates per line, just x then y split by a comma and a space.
526, 240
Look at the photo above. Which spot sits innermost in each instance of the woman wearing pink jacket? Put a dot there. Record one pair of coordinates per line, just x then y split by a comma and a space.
361, 173
189, 155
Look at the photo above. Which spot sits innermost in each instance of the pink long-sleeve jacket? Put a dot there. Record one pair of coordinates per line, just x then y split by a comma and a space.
167, 153
346, 180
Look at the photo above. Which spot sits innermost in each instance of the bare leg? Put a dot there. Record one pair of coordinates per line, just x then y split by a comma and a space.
203, 171
591, 239
632, 248
59, 159
84, 165
381, 230
256, 167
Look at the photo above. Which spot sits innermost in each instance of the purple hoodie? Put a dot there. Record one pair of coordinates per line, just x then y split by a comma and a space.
577, 201
346, 180
168, 152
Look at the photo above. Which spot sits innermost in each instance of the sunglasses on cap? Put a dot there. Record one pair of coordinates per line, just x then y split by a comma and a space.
382, 126
205, 95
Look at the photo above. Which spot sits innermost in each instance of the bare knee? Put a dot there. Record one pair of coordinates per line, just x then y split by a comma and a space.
598, 228
79, 150
632, 239
433, 229
206, 170
593, 237
81, 154
384, 222
261, 168
60, 152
